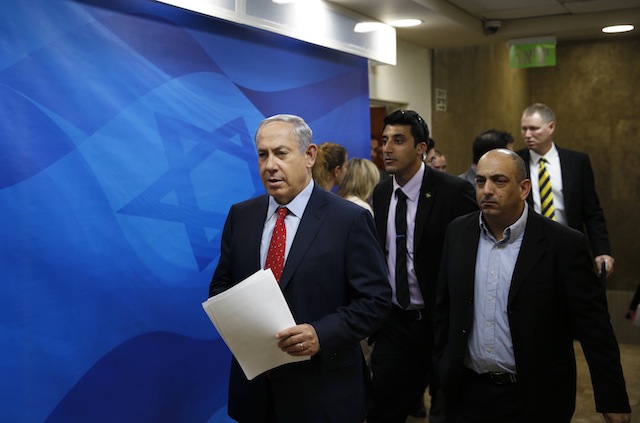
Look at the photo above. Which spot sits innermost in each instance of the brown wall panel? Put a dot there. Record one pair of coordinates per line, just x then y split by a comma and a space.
593, 89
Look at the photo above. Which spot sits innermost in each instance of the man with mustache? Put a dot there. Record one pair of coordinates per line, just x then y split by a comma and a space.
515, 288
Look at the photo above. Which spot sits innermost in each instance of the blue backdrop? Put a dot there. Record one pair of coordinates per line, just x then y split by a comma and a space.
125, 135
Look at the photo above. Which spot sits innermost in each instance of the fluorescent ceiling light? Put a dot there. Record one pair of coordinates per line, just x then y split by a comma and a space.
404, 23
617, 28
364, 27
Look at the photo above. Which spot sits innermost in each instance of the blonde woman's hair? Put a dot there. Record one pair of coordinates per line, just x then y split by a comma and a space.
361, 178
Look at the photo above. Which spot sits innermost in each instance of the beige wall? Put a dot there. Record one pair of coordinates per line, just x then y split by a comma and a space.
593, 90
408, 84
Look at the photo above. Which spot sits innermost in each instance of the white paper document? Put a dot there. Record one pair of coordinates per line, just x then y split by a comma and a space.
247, 317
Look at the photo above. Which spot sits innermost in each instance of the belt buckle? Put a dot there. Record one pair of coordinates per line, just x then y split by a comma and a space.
418, 314
499, 378
413, 314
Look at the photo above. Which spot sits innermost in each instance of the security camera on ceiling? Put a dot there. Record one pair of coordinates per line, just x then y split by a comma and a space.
491, 26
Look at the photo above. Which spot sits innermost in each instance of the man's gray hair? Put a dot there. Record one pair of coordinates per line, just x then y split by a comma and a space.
301, 130
543, 110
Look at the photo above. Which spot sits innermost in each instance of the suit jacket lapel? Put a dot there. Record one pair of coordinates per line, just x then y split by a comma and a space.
468, 256
567, 169
531, 251
381, 212
310, 224
253, 229
428, 191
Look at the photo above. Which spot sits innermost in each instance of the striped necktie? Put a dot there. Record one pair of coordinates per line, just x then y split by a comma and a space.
546, 193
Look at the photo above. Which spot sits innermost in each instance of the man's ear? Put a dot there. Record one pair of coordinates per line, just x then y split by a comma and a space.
311, 153
421, 148
525, 188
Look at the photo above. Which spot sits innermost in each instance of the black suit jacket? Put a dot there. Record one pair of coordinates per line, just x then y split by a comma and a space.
443, 197
554, 294
335, 279
580, 198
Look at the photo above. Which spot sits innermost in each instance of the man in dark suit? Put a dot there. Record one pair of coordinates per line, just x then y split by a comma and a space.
573, 187
401, 358
486, 141
334, 280
514, 288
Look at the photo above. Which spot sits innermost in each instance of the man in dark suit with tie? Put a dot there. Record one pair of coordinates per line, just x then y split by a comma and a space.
514, 288
573, 189
412, 210
334, 280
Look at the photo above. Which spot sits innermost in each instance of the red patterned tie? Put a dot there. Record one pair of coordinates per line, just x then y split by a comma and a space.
275, 255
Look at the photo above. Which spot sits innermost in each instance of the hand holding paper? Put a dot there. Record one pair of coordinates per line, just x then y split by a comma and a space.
248, 316
299, 340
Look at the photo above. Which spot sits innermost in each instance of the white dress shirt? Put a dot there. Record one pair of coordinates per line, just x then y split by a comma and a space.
291, 222
412, 190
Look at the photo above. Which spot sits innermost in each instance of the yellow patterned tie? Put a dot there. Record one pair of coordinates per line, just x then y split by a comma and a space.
546, 194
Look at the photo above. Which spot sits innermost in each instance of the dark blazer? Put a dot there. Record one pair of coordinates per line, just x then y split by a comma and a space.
580, 198
443, 197
554, 294
335, 279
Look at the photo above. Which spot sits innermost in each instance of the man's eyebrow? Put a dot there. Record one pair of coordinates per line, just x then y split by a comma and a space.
493, 176
499, 175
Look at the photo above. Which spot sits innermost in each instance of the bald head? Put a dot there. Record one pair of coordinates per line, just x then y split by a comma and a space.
501, 189
519, 166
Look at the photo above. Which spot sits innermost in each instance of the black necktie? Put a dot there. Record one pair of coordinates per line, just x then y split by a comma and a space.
402, 283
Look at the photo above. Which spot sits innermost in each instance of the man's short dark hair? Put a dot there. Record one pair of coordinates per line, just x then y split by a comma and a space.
431, 144
489, 140
419, 128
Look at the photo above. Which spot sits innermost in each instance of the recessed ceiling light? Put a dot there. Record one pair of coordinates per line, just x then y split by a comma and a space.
404, 23
617, 28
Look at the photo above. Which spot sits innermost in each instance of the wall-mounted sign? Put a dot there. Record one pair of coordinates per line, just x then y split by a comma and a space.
532, 52
441, 100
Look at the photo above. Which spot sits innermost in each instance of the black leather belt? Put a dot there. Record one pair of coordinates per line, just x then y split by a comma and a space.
496, 378
411, 315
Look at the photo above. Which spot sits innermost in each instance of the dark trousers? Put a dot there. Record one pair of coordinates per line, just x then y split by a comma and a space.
482, 401
400, 362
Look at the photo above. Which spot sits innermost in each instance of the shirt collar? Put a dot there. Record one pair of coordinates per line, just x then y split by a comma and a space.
412, 188
552, 153
296, 206
510, 233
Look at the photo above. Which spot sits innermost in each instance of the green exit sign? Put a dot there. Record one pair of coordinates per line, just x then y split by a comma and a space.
532, 52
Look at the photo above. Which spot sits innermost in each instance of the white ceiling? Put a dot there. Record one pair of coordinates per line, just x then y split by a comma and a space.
455, 23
